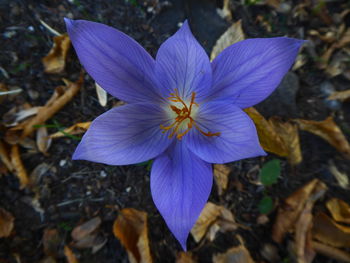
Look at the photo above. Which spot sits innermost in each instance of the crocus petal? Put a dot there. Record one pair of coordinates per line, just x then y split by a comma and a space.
115, 61
182, 64
124, 135
237, 140
180, 185
248, 71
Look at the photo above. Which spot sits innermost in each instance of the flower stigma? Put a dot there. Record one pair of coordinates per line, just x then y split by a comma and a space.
183, 114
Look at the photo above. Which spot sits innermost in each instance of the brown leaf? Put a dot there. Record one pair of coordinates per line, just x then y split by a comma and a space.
43, 141
231, 36
303, 239
51, 242
212, 219
329, 232
331, 252
86, 229
55, 61
268, 137
221, 173
75, 129
19, 167
329, 131
185, 257
6, 223
342, 178
289, 135
4, 157
131, 229
289, 212
234, 255
340, 95
275, 136
70, 255
56, 102
339, 210
19, 114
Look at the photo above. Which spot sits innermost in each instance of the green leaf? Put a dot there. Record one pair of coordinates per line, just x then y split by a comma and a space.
265, 205
270, 172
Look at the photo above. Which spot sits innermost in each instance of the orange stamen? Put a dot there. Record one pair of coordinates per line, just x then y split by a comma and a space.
182, 115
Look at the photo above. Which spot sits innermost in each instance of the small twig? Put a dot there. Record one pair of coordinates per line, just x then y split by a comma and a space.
53, 31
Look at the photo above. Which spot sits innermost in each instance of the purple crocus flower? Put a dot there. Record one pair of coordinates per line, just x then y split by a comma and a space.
183, 111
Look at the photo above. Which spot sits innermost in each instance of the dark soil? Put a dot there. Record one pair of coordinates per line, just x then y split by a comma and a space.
73, 192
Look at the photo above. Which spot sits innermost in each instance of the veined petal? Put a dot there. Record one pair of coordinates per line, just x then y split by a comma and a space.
182, 64
116, 62
124, 135
248, 71
238, 138
180, 185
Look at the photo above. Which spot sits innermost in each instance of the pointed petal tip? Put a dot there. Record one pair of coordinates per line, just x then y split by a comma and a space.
68, 21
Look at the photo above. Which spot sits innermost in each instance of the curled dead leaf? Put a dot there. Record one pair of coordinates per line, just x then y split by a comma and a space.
339, 210
329, 232
289, 212
342, 178
131, 229
43, 141
55, 61
75, 129
340, 95
275, 136
231, 36
289, 135
234, 255
51, 242
6, 223
331, 252
56, 102
71, 258
212, 219
329, 131
185, 257
221, 173
4, 157
19, 167
86, 229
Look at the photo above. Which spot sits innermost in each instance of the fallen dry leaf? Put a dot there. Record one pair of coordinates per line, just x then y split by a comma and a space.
331, 252
339, 210
71, 258
19, 167
212, 219
19, 114
221, 173
75, 129
329, 131
55, 61
288, 132
329, 232
101, 95
231, 36
275, 136
234, 255
86, 229
51, 242
4, 157
289, 212
56, 102
268, 137
184, 257
6, 223
342, 178
43, 141
303, 238
340, 95
131, 229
